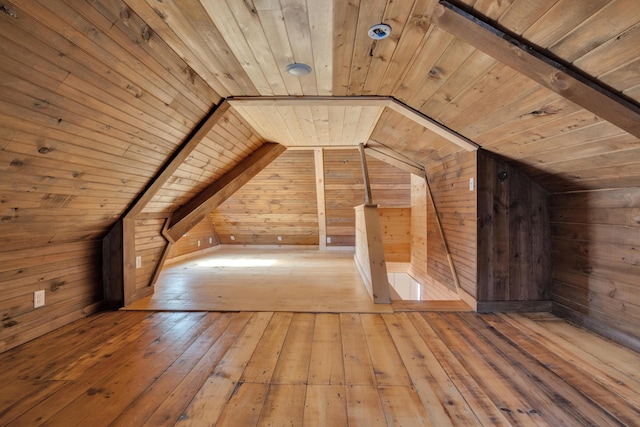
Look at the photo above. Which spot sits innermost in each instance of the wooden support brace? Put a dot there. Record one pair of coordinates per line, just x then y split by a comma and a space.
524, 58
211, 197
393, 158
177, 159
452, 267
432, 125
368, 200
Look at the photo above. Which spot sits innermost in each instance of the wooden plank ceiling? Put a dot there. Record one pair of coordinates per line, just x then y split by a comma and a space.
96, 96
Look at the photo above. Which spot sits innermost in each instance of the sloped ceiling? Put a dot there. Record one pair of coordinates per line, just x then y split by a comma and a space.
97, 95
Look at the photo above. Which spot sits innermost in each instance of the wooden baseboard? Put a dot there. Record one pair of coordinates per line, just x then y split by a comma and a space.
190, 255
512, 306
597, 326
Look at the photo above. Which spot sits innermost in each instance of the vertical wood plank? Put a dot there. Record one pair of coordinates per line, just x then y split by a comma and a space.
540, 245
559, 402
263, 361
175, 403
364, 407
402, 406
486, 369
208, 404
520, 232
293, 363
432, 384
473, 394
325, 405
358, 369
168, 382
322, 218
284, 405
387, 363
601, 398
326, 366
245, 405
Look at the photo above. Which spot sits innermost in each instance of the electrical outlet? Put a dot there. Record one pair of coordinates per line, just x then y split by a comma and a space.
198, 243
279, 238
139, 261
38, 298
232, 237
328, 239
211, 240
471, 184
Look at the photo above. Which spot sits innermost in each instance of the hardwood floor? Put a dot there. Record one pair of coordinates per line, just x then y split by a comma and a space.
132, 368
278, 279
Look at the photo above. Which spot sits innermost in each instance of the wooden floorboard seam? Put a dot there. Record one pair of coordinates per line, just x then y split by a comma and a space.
306, 369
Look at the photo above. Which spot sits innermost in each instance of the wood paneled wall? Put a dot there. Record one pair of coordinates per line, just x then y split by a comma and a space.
66, 272
456, 205
200, 237
229, 141
279, 201
514, 261
90, 109
595, 239
344, 189
395, 224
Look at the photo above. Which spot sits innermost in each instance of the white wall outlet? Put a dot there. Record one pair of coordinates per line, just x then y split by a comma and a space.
232, 237
279, 238
211, 240
198, 243
328, 239
38, 298
138, 261
472, 184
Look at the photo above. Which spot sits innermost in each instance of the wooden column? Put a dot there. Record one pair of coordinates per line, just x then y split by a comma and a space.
369, 256
118, 263
322, 218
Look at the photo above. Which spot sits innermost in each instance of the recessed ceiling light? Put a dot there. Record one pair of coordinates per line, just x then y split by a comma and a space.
379, 31
298, 69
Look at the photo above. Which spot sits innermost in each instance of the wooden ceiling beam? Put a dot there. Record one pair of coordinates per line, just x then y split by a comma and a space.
430, 124
174, 162
216, 193
524, 58
310, 101
392, 158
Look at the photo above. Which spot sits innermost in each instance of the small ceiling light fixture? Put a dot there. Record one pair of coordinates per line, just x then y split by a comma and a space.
298, 69
379, 31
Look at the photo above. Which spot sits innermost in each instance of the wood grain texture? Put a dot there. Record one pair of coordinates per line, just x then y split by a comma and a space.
194, 211
431, 368
369, 254
595, 271
97, 96
279, 201
395, 224
514, 262
200, 237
